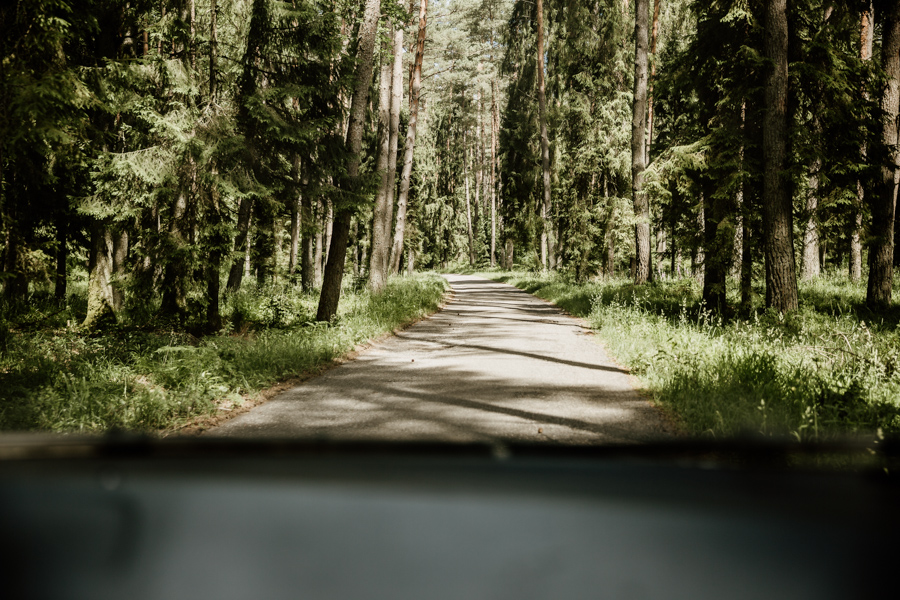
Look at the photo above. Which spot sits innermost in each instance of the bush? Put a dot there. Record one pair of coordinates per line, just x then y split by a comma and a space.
61, 379
825, 370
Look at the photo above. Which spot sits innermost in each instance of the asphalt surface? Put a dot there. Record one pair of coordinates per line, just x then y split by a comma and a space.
496, 364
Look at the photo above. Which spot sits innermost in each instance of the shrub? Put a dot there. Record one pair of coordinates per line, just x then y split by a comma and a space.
822, 371
61, 379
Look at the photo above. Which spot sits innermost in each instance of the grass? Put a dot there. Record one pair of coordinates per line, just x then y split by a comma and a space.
830, 369
54, 377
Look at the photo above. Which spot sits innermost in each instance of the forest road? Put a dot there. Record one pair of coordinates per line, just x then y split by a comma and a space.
496, 364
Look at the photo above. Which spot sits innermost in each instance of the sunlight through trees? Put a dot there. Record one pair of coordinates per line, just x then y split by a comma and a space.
159, 155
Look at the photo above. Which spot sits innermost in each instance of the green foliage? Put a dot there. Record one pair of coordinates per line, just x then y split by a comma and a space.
705, 177
462, 85
128, 129
269, 307
111, 124
825, 371
42, 101
60, 379
589, 94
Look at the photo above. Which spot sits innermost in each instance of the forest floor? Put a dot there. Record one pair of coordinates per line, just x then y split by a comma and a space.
494, 364
146, 374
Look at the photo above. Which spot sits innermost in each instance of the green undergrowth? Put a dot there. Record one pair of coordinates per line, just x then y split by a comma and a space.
830, 369
54, 377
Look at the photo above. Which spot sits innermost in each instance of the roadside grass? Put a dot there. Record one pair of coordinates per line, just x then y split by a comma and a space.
831, 369
54, 377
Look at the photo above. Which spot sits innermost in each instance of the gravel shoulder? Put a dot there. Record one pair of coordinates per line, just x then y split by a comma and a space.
496, 364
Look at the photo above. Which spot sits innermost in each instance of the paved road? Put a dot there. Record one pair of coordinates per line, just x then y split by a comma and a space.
495, 364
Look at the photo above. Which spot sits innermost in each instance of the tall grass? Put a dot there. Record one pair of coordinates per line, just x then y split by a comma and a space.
832, 368
57, 378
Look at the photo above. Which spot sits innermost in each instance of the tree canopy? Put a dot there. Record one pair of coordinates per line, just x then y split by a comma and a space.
162, 152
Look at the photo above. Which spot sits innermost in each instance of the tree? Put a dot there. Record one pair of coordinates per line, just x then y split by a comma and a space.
781, 275
175, 142
415, 85
547, 231
866, 42
654, 40
44, 99
638, 151
826, 115
883, 202
810, 265
396, 101
469, 233
380, 233
337, 254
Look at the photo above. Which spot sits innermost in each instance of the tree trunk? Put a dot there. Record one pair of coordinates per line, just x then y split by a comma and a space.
379, 246
247, 249
811, 266
781, 274
867, 29
812, 252
610, 262
193, 39
396, 101
263, 244
174, 297
307, 237
100, 292
235, 275
15, 284
698, 256
62, 255
718, 242
415, 85
218, 246
213, 284
217, 242
354, 245
213, 52
362, 246
883, 202
660, 253
501, 229
494, 171
295, 202
479, 167
119, 236
546, 232
319, 254
741, 213
334, 269
654, 37
294, 252
468, 207
855, 240
555, 260
638, 134
278, 246
738, 246
746, 264
485, 170
329, 228
153, 225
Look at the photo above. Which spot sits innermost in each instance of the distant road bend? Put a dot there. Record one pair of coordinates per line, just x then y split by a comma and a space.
496, 364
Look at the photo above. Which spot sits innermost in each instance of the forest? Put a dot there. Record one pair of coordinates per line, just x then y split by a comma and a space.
185, 181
